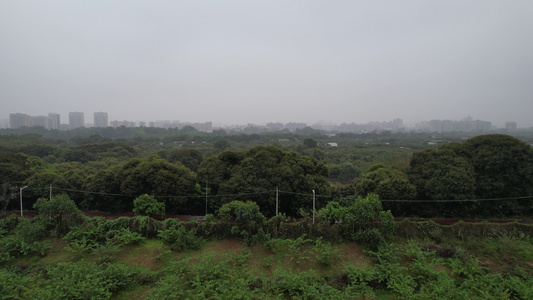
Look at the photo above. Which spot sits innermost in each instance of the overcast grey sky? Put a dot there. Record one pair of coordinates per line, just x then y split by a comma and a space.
269, 61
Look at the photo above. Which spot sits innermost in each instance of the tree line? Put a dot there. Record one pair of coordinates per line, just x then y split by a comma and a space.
107, 175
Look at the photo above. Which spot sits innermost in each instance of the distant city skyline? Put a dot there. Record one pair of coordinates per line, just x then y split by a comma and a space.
101, 119
407, 122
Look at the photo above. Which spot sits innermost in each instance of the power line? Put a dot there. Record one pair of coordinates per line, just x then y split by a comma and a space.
455, 200
162, 196
299, 194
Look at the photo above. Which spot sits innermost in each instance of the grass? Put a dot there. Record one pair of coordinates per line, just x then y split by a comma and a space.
499, 254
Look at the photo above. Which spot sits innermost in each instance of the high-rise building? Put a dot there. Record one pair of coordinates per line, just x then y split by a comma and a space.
19, 120
76, 120
54, 121
100, 119
40, 121
397, 123
510, 125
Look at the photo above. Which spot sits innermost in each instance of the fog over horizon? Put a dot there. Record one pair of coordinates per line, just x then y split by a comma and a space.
238, 62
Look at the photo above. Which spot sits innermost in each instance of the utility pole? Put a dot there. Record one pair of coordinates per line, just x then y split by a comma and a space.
21, 214
50, 199
206, 197
313, 206
277, 200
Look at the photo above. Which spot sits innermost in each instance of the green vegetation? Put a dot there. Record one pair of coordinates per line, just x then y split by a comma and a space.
259, 240
147, 205
122, 258
106, 169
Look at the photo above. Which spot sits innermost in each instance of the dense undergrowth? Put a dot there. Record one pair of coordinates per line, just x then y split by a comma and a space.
240, 255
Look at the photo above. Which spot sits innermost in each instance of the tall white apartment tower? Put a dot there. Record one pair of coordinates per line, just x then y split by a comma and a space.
53, 121
76, 120
100, 119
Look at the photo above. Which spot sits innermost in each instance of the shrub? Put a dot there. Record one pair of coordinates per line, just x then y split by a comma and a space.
58, 214
146, 205
87, 281
178, 238
248, 218
372, 238
326, 254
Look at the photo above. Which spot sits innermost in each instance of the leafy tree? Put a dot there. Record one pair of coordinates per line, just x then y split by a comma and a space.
389, 184
261, 170
156, 176
78, 155
364, 220
247, 216
39, 185
311, 143
443, 175
8, 192
221, 145
104, 188
14, 167
333, 212
57, 211
190, 158
503, 168
484, 167
218, 169
146, 205
343, 172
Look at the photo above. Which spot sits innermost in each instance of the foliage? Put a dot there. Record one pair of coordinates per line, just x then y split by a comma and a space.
416, 269
262, 169
27, 238
178, 238
483, 167
333, 212
388, 183
310, 143
364, 220
326, 254
443, 175
14, 167
24, 236
138, 176
100, 236
247, 216
57, 213
146, 205
8, 192
190, 158
87, 281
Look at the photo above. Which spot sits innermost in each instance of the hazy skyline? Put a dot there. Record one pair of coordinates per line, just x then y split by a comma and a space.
241, 62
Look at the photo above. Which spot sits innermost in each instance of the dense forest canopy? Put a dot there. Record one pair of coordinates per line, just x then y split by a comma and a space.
414, 174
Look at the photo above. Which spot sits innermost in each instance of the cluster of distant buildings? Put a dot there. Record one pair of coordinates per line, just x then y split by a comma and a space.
53, 120
464, 125
101, 119
77, 120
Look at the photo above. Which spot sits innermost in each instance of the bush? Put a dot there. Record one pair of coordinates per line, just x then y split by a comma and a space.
100, 235
363, 221
146, 205
372, 238
178, 238
248, 218
326, 254
27, 238
58, 214
87, 281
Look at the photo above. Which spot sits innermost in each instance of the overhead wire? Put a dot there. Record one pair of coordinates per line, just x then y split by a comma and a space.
300, 194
